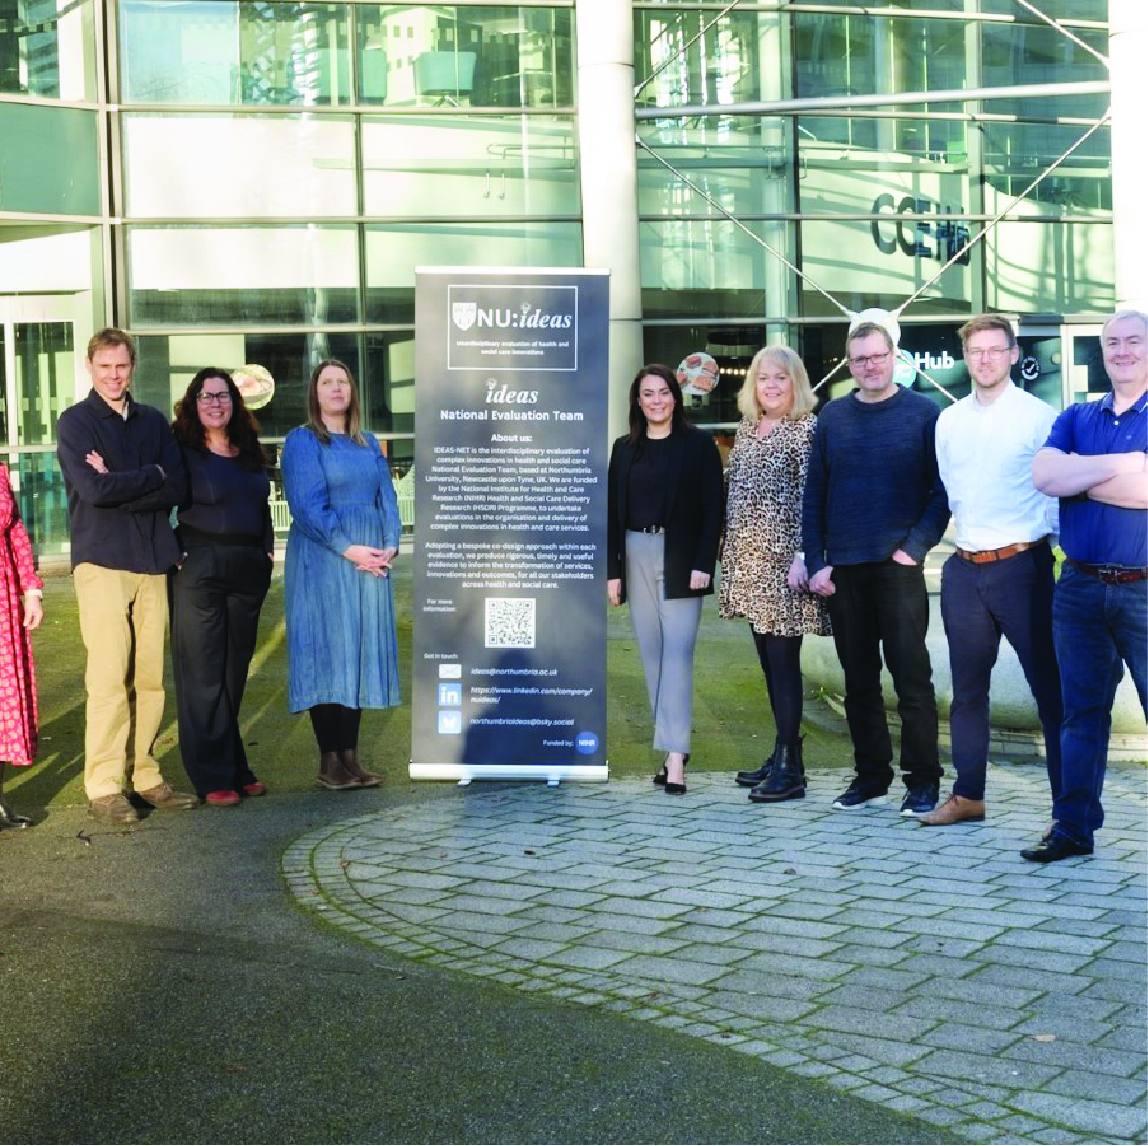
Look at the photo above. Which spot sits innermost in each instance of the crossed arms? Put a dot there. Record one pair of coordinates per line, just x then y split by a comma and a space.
1114, 479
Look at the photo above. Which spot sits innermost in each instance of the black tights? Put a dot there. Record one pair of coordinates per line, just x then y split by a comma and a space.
336, 728
781, 662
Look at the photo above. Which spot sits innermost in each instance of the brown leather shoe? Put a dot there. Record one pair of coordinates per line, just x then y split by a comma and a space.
350, 758
334, 774
953, 811
164, 798
113, 809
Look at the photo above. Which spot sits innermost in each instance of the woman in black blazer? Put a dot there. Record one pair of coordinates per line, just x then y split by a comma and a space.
665, 499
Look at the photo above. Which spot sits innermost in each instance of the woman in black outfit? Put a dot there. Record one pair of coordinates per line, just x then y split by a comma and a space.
665, 504
217, 591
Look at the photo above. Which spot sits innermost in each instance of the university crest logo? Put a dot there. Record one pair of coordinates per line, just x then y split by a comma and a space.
464, 314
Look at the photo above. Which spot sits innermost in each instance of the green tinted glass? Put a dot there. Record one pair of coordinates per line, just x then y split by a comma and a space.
49, 162
447, 56
234, 52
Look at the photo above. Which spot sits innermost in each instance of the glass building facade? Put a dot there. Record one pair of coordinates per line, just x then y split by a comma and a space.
254, 182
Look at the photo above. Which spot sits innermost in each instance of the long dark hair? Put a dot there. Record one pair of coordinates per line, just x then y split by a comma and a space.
637, 419
242, 429
352, 419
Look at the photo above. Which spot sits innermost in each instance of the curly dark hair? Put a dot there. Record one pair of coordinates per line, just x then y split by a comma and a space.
638, 419
242, 429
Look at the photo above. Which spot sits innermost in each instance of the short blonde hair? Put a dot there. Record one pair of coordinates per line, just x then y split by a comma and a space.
790, 362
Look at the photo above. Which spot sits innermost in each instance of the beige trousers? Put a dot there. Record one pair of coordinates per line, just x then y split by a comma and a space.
122, 619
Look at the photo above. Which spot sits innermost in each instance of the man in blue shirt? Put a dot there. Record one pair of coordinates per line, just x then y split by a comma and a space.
1096, 462
123, 473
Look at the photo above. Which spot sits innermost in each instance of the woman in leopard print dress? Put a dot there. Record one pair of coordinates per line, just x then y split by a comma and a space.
763, 570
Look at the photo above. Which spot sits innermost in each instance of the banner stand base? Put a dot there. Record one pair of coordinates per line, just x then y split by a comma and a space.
553, 774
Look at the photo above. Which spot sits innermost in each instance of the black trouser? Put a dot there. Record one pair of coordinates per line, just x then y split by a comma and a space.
336, 727
781, 663
882, 606
215, 600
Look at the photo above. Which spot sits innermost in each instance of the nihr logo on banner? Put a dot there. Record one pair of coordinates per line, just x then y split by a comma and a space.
526, 327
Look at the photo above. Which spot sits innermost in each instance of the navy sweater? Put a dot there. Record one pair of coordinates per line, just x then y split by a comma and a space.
873, 485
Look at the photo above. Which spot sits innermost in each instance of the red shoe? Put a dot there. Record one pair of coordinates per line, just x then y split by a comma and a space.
256, 789
223, 799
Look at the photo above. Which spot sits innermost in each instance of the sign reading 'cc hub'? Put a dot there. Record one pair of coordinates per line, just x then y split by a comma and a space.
940, 240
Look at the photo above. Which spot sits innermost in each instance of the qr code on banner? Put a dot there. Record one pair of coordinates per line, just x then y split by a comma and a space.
510, 622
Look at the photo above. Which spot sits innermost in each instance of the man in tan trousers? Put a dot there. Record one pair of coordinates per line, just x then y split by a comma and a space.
123, 473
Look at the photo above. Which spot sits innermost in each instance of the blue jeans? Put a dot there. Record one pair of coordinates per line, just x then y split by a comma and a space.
1095, 628
882, 607
979, 604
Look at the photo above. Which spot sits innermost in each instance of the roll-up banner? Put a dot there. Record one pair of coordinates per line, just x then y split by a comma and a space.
509, 662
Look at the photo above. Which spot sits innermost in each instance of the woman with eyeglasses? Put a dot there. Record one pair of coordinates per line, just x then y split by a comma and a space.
217, 591
664, 495
342, 651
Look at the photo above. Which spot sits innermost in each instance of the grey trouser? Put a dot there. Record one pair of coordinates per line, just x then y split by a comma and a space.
666, 632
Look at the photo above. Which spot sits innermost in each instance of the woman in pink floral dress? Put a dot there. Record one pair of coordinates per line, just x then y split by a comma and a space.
21, 611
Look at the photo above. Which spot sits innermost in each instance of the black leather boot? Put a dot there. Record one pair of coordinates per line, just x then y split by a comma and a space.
786, 781
751, 778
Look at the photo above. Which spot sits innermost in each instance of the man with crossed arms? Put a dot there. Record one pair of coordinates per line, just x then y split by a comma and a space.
1000, 580
1096, 462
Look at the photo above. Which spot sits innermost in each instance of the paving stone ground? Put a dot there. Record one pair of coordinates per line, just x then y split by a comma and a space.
928, 969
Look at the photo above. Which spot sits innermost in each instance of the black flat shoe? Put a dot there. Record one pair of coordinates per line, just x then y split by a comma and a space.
1055, 846
673, 789
11, 819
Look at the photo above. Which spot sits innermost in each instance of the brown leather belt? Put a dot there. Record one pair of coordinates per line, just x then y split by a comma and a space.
984, 556
1110, 574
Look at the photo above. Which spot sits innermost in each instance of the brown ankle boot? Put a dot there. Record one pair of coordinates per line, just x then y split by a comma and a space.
334, 774
350, 759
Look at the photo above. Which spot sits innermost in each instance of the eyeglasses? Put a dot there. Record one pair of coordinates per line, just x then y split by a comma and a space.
991, 352
868, 360
214, 398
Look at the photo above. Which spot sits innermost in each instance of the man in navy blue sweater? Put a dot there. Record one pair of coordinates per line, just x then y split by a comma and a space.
874, 506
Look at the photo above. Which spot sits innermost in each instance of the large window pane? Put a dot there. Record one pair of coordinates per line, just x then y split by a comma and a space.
1016, 153
241, 275
228, 52
393, 252
747, 167
479, 166
1051, 268
1037, 54
858, 54
37, 259
738, 58
49, 163
865, 264
216, 166
46, 49
712, 267
422, 55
